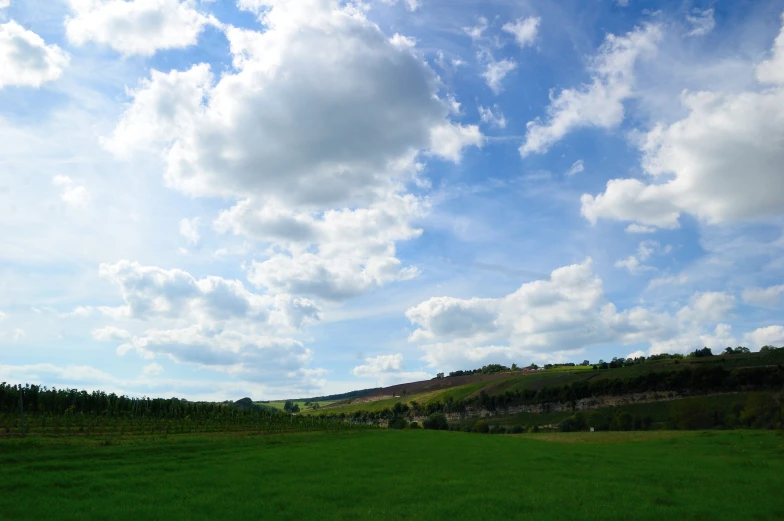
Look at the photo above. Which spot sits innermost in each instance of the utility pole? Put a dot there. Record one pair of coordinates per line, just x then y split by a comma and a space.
21, 410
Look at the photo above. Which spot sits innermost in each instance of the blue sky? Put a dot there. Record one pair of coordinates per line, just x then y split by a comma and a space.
279, 198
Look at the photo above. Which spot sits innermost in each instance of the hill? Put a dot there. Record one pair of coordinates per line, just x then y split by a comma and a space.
461, 394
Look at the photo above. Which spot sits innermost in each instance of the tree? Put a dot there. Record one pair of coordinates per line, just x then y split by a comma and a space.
436, 422
288, 406
625, 421
440, 375
482, 427
514, 367
397, 423
585, 363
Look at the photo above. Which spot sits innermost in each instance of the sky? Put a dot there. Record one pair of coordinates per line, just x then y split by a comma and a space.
292, 198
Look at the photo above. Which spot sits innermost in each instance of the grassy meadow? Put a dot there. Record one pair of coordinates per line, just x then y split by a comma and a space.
410, 474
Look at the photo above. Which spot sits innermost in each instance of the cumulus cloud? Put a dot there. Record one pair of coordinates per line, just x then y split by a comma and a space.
722, 337
524, 30
701, 21
567, 312
766, 336
770, 296
388, 370
70, 193
321, 110
334, 255
720, 163
111, 334
4, 3
27, 60
320, 124
249, 355
599, 103
492, 116
137, 26
634, 263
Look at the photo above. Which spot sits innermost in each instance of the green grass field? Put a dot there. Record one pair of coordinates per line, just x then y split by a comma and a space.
278, 404
383, 474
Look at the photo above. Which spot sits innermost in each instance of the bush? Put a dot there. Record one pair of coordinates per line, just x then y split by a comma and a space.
397, 423
481, 426
454, 427
413, 425
436, 422
498, 429
517, 429
468, 428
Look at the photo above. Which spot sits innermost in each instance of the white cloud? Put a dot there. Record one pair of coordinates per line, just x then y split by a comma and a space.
252, 356
136, 26
766, 336
3, 316
153, 369
722, 337
769, 296
478, 30
720, 163
639, 228
566, 313
18, 334
189, 229
600, 103
388, 370
496, 71
323, 110
577, 167
27, 60
335, 255
524, 30
701, 21
71, 194
772, 71
4, 3
668, 280
411, 5
154, 294
623, 3
111, 334
634, 263
492, 116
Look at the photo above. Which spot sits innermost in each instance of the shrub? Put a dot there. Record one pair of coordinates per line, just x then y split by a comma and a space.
517, 429
454, 427
498, 429
413, 425
468, 428
397, 423
481, 426
436, 422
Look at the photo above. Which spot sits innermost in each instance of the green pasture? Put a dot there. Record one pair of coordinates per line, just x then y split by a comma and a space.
410, 474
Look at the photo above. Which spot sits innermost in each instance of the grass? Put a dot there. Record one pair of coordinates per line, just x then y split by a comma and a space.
399, 475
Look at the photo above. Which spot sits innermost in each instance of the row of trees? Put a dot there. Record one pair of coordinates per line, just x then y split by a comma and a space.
68, 412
